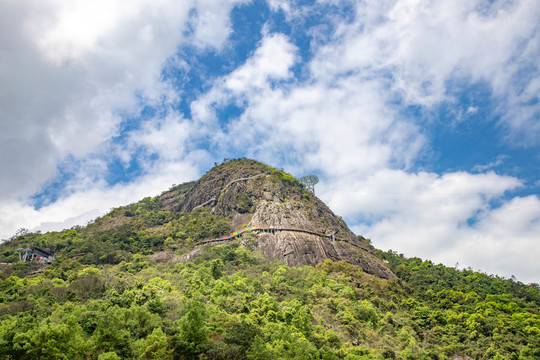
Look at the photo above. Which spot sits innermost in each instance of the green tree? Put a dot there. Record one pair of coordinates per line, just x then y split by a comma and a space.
154, 346
193, 332
241, 334
51, 341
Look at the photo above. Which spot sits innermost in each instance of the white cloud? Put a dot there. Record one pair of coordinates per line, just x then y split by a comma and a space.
67, 72
344, 125
504, 241
421, 46
276, 5
271, 61
212, 23
446, 218
472, 110
166, 137
497, 162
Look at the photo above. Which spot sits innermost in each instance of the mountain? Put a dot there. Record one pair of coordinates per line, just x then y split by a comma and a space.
246, 263
252, 194
302, 230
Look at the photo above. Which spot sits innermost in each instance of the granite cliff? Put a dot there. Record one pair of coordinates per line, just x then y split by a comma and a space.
253, 194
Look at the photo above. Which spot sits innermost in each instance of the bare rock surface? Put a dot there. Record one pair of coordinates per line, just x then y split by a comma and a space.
165, 257
254, 194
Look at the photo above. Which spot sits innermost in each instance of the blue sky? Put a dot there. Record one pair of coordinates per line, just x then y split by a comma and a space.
422, 119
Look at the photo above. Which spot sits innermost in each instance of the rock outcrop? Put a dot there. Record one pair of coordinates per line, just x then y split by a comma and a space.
254, 194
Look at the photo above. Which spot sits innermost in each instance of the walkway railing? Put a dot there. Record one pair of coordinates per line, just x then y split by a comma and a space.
259, 229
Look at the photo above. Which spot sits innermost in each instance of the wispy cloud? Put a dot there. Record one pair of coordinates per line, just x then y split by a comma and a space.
499, 161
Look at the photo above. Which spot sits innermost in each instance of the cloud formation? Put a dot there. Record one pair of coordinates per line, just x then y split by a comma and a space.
70, 72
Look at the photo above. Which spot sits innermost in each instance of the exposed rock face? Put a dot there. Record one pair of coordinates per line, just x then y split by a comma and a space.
254, 194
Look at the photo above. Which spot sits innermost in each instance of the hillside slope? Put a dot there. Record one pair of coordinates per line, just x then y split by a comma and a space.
142, 282
235, 195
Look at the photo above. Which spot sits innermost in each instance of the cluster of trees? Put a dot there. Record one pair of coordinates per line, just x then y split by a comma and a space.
231, 303
180, 232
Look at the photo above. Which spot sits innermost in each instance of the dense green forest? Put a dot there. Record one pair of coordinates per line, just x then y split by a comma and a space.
231, 303
121, 288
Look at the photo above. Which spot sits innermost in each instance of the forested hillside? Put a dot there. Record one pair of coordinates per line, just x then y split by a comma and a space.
134, 284
232, 303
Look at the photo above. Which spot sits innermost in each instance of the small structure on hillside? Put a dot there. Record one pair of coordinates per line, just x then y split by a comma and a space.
34, 253
309, 181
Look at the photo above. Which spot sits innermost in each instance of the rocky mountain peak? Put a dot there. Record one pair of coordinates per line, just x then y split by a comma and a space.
291, 224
